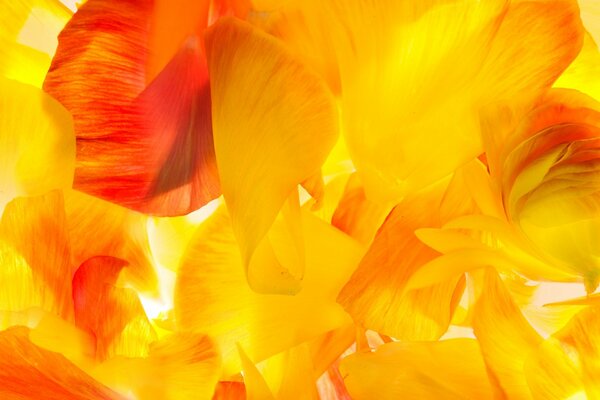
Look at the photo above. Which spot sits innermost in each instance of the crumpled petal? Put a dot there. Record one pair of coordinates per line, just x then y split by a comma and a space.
278, 111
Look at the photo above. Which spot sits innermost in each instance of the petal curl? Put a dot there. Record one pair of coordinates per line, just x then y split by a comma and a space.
279, 112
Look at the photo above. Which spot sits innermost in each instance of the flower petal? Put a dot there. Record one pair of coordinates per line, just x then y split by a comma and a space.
28, 38
504, 335
113, 315
28, 371
212, 295
38, 257
377, 296
36, 141
100, 228
144, 147
419, 370
275, 109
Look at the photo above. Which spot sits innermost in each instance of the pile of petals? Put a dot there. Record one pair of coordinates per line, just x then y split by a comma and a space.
299, 199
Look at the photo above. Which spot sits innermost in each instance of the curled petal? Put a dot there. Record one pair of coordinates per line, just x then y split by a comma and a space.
278, 111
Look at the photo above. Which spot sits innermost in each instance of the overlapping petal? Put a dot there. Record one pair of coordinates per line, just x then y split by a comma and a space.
145, 147
283, 117
213, 297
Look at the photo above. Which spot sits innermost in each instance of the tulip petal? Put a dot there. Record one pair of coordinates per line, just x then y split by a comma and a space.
419, 370
99, 228
148, 148
36, 140
113, 315
30, 372
212, 295
504, 335
377, 296
35, 229
276, 110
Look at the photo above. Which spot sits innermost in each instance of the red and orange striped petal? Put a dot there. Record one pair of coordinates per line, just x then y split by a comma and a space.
132, 149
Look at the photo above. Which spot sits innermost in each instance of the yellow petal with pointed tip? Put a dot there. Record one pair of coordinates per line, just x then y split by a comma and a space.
274, 123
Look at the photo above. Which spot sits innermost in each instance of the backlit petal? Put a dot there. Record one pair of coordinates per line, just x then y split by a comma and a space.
275, 109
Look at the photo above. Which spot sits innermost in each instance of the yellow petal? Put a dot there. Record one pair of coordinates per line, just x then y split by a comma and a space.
450, 369
212, 295
180, 366
584, 73
28, 38
274, 123
551, 374
36, 140
504, 335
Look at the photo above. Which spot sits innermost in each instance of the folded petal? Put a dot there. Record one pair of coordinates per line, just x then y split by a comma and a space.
28, 371
36, 141
144, 147
213, 297
274, 110
449, 369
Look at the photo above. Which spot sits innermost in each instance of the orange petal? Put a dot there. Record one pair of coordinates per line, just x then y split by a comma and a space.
356, 215
99, 228
278, 111
114, 315
376, 296
230, 391
449, 369
35, 229
30, 372
212, 295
